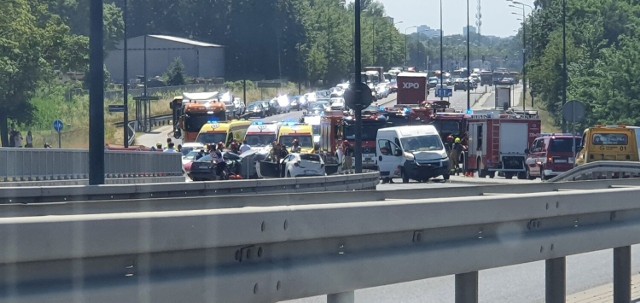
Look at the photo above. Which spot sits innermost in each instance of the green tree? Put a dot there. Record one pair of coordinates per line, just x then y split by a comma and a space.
175, 73
33, 44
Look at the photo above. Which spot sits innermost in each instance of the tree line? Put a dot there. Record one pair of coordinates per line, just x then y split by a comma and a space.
298, 40
603, 55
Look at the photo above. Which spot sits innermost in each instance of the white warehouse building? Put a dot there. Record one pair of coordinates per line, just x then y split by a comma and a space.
200, 59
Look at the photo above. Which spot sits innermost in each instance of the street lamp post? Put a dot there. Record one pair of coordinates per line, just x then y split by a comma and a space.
405, 43
524, 49
391, 42
468, 63
564, 60
357, 92
125, 79
441, 59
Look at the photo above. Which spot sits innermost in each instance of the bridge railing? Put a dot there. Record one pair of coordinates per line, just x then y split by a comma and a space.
37, 164
282, 251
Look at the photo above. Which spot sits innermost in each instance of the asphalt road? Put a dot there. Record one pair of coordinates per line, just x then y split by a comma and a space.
522, 283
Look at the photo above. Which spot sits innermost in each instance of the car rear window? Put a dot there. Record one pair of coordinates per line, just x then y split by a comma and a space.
563, 144
310, 157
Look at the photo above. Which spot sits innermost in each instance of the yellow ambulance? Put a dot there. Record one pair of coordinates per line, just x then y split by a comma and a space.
215, 132
296, 131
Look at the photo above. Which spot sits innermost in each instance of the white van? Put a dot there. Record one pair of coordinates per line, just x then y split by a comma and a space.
411, 152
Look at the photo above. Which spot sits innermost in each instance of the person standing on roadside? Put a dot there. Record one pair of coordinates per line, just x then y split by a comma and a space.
29, 139
18, 139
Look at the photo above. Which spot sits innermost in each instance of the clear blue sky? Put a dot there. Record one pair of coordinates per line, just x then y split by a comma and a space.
497, 19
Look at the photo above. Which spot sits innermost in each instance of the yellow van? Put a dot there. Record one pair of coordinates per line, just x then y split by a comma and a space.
215, 132
297, 131
609, 143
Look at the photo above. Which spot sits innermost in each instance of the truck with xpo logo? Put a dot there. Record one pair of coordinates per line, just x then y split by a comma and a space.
412, 88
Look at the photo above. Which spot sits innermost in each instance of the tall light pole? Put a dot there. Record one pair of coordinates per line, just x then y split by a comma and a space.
564, 60
468, 62
373, 40
441, 59
524, 49
357, 92
425, 47
125, 79
391, 42
405, 43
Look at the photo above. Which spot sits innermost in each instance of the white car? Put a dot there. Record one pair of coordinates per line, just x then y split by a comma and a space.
187, 147
300, 165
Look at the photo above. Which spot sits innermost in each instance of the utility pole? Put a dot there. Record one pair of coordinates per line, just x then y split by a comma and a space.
125, 79
441, 59
96, 95
468, 62
357, 92
564, 60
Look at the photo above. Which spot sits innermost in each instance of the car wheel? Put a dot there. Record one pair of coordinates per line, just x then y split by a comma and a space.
405, 178
446, 177
529, 175
543, 176
508, 176
492, 174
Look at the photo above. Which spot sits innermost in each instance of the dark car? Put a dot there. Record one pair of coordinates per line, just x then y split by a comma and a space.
204, 169
296, 103
257, 109
316, 109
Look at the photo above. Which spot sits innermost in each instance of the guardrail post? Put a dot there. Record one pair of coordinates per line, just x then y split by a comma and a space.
622, 274
555, 280
343, 297
467, 287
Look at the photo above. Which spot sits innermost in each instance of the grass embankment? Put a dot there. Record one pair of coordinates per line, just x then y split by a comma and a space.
53, 103
548, 123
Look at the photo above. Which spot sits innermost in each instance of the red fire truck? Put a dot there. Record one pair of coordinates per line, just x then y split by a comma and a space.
337, 128
193, 110
497, 143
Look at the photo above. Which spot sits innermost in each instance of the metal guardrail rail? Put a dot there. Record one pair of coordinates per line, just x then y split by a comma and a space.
285, 251
600, 170
237, 188
36, 164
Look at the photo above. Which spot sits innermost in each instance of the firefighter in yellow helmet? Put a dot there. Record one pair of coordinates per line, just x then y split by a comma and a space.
454, 156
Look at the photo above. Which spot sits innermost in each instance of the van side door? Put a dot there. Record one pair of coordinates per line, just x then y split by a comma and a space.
388, 159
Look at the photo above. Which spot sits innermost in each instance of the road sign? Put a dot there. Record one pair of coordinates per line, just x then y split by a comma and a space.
58, 126
116, 108
444, 92
146, 98
366, 99
263, 84
573, 111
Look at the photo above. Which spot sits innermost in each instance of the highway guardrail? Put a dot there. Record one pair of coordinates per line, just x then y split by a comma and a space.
600, 170
38, 164
254, 187
275, 253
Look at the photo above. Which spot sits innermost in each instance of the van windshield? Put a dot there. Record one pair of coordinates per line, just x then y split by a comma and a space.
260, 140
421, 143
211, 138
563, 145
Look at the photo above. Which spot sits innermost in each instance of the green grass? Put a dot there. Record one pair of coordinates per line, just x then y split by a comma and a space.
547, 121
